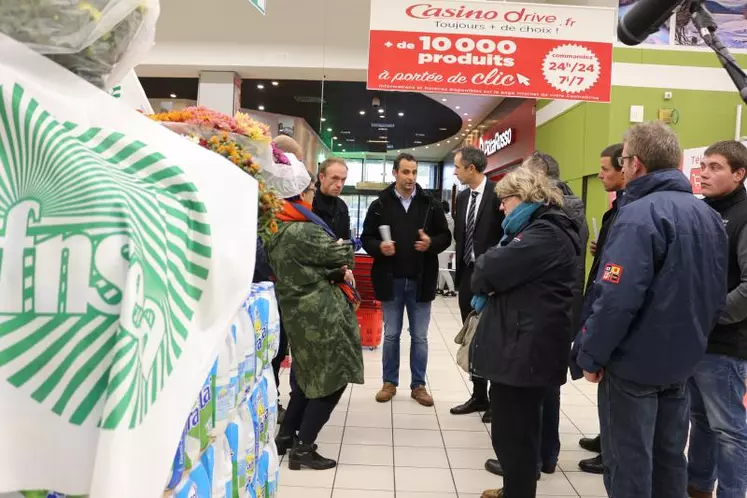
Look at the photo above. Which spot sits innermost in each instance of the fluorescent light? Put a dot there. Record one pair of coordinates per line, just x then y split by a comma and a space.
401, 114
443, 100
362, 113
324, 119
329, 129
261, 108
344, 150
173, 95
275, 83
260, 86
470, 119
457, 108
466, 114
381, 111
334, 138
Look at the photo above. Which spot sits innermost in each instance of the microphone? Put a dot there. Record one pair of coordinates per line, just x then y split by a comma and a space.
644, 19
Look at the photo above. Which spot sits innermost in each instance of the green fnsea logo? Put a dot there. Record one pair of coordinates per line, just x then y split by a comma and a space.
104, 254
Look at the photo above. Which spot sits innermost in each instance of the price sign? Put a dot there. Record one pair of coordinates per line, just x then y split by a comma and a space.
490, 48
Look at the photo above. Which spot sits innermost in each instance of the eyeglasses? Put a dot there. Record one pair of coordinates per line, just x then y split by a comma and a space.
504, 198
621, 160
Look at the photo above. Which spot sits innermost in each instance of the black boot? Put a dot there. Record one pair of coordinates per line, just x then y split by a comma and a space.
305, 455
474, 404
494, 467
487, 417
592, 465
284, 442
591, 444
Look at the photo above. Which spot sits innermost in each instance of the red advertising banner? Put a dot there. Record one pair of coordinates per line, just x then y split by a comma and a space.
489, 48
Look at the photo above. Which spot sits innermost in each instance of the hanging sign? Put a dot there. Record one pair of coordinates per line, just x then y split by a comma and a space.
489, 48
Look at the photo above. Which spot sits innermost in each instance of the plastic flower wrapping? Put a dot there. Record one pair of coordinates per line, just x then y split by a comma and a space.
243, 141
99, 40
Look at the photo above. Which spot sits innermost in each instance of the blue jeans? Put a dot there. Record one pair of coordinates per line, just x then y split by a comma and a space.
419, 315
718, 438
644, 433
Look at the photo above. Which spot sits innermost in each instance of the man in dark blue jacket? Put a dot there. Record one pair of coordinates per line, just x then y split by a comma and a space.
660, 290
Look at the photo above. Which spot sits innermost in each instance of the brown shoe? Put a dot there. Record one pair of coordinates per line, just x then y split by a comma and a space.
420, 395
692, 492
387, 392
492, 493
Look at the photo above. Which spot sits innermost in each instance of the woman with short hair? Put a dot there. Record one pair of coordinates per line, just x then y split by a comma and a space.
524, 290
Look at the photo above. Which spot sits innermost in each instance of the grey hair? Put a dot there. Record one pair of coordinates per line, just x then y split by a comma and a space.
543, 163
655, 145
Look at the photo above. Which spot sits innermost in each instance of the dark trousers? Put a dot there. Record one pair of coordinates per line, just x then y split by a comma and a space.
308, 416
282, 355
515, 430
644, 432
550, 443
480, 386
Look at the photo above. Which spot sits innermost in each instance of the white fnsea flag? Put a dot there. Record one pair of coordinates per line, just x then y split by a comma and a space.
125, 251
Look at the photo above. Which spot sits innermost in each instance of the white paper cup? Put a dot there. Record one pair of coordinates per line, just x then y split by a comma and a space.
386, 233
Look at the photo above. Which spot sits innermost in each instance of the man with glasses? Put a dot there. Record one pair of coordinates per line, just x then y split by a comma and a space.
660, 289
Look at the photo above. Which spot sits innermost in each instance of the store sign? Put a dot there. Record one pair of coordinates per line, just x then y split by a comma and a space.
490, 48
499, 141
261, 5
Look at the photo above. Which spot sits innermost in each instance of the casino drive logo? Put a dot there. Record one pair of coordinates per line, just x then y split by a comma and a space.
104, 255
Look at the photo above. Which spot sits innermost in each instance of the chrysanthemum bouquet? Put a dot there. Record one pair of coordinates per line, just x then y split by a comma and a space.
243, 141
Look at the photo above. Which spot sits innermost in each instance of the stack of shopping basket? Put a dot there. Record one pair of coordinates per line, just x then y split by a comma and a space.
370, 314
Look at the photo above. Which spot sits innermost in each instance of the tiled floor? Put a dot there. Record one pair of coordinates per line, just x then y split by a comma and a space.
403, 450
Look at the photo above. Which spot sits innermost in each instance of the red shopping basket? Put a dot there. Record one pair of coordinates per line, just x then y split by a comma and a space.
371, 323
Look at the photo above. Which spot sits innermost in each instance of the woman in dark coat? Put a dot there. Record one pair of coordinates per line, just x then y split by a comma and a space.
524, 289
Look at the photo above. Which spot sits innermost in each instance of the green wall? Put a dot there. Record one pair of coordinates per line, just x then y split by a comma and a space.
577, 137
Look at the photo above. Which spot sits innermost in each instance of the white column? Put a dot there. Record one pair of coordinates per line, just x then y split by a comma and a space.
220, 91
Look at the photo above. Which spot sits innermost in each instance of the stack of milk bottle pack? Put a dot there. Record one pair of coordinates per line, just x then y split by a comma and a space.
228, 448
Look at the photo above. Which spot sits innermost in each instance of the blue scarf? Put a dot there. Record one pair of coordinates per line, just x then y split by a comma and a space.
518, 220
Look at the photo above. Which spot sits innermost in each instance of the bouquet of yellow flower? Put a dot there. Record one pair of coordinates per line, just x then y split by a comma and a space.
269, 202
252, 128
241, 140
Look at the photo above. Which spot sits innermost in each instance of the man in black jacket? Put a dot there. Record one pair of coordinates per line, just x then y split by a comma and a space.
477, 228
405, 270
718, 435
327, 203
611, 176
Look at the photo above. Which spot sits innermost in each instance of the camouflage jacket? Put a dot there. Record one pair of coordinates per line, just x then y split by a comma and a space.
320, 322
